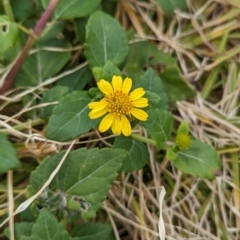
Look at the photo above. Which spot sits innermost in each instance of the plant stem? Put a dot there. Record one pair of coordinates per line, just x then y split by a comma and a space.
8, 10
31, 40
144, 139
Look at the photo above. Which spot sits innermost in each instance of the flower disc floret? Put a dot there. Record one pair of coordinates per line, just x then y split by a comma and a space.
118, 105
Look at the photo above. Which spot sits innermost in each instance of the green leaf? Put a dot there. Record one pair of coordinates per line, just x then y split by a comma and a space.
43, 64
8, 155
171, 155
109, 70
183, 128
71, 9
149, 56
159, 125
47, 227
76, 80
151, 82
21, 230
153, 98
54, 94
92, 231
70, 118
8, 34
137, 153
169, 6
86, 174
22, 9
199, 160
105, 40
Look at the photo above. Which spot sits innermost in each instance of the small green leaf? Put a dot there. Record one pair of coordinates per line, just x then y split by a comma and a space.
21, 230
54, 94
199, 160
171, 155
70, 118
92, 231
47, 227
169, 6
153, 98
109, 70
8, 156
86, 174
151, 82
43, 64
105, 40
74, 8
8, 34
159, 125
77, 80
137, 153
183, 128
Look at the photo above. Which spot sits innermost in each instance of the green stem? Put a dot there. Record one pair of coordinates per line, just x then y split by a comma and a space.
143, 139
8, 10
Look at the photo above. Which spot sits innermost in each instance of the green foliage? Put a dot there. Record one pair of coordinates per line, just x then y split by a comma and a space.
8, 34
92, 231
199, 160
137, 153
86, 174
80, 45
47, 227
41, 65
8, 156
159, 125
74, 8
70, 118
107, 38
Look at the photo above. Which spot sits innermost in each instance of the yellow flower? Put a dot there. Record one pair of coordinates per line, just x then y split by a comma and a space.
119, 105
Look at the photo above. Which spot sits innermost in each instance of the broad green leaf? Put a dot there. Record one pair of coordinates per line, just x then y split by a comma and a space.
21, 230
159, 125
109, 70
54, 94
153, 98
199, 160
76, 80
47, 227
151, 82
70, 118
105, 40
137, 153
169, 6
86, 174
68, 9
92, 231
8, 156
149, 56
22, 9
43, 64
8, 34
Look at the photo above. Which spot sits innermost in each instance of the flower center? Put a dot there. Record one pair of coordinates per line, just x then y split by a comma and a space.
119, 103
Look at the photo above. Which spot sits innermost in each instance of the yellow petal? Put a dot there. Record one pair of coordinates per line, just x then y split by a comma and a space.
117, 83
116, 126
139, 114
95, 113
127, 85
137, 93
140, 103
106, 123
99, 105
105, 87
126, 127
